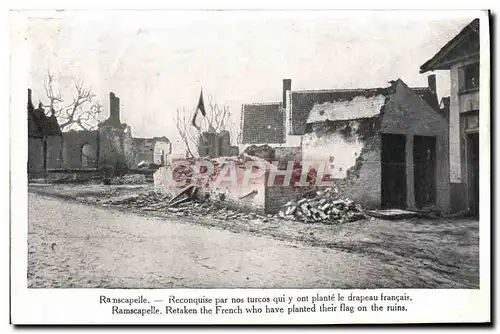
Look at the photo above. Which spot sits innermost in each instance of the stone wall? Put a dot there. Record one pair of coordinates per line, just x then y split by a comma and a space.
337, 144
35, 154
116, 147
250, 196
363, 181
74, 142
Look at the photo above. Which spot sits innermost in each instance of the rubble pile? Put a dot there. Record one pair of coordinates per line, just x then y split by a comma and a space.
155, 202
130, 179
151, 199
183, 172
323, 206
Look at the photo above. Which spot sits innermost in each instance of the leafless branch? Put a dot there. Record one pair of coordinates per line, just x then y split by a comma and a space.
83, 112
217, 119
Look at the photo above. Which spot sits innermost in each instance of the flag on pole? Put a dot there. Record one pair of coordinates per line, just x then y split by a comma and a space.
201, 108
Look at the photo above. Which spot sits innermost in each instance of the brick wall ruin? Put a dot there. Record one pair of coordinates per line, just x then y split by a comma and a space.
73, 144
351, 152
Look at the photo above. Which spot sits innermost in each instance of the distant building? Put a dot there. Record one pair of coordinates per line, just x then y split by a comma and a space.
154, 150
460, 56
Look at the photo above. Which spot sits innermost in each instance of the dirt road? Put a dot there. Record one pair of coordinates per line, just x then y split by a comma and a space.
78, 245
74, 245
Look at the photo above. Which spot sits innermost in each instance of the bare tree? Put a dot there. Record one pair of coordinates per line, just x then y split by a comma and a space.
218, 118
83, 112
187, 132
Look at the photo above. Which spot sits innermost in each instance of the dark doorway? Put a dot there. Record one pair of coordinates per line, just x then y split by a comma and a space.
393, 171
473, 172
424, 162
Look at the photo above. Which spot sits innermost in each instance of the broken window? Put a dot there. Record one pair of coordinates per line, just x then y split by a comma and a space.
468, 78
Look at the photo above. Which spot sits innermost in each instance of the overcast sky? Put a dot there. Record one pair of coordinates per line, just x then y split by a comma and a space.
157, 62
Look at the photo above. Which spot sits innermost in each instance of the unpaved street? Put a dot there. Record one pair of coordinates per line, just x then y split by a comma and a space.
74, 245
81, 245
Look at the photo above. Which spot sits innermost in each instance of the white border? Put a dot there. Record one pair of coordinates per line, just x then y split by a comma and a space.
49, 306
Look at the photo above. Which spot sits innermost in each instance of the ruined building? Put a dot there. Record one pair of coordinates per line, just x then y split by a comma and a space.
383, 147
44, 140
110, 145
213, 145
154, 150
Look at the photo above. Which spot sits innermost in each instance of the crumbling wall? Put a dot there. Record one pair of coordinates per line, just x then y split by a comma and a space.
54, 152
73, 142
35, 156
128, 147
362, 183
112, 147
288, 153
350, 150
244, 194
252, 197
337, 144
208, 145
265, 152
143, 150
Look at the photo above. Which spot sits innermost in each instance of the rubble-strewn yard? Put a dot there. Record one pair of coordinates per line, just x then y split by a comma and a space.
418, 253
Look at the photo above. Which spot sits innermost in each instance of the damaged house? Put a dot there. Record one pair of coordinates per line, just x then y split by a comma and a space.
384, 147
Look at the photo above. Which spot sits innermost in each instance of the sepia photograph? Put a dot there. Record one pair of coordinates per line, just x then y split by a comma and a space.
254, 150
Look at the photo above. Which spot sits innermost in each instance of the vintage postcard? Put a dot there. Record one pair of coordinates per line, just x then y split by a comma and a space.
250, 167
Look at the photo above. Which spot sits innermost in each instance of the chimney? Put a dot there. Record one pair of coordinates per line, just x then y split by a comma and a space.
114, 107
30, 101
431, 79
287, 85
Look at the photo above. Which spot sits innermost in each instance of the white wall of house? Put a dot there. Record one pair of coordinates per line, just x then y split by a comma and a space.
459, 103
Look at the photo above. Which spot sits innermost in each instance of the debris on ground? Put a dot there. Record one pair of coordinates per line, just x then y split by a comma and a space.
129, 179
150, 199
183, 204
325, 206
188, 194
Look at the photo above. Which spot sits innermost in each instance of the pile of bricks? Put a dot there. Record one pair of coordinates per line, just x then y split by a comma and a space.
324, 206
